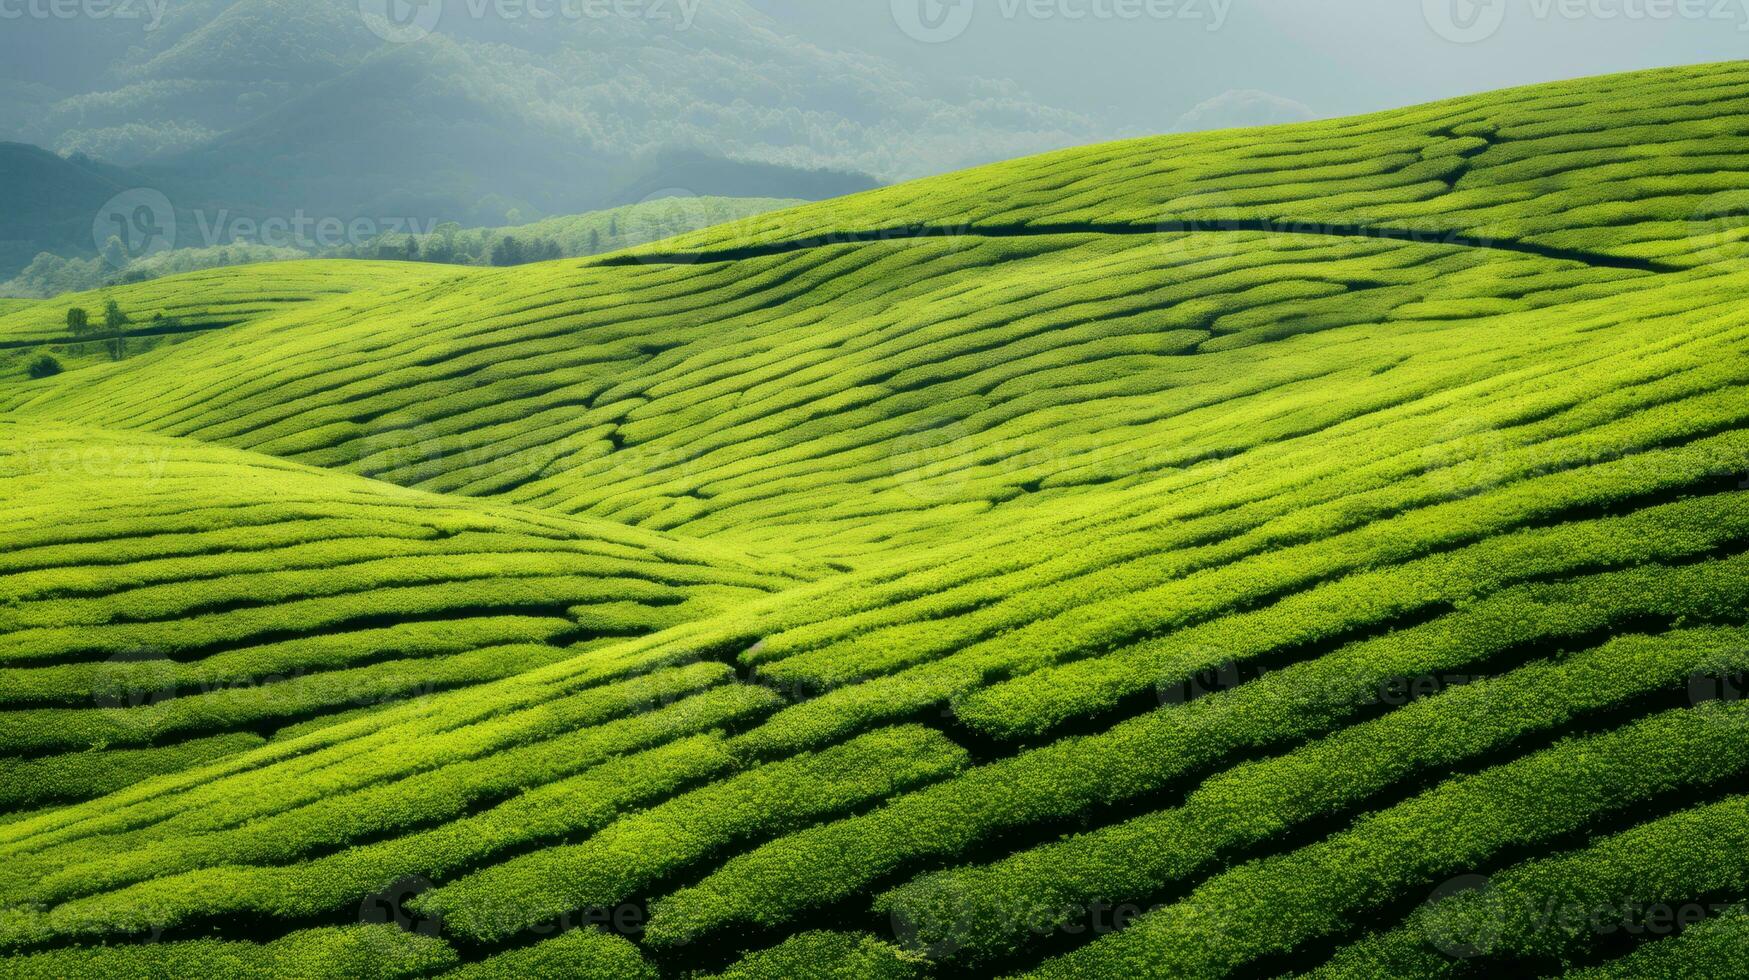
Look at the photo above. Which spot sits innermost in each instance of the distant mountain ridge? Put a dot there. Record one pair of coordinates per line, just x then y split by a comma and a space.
48, 202
565, 236
269, 107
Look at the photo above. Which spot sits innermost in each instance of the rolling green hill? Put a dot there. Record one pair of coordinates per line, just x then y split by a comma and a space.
595, 232
567, 236
1314, 550
176, 308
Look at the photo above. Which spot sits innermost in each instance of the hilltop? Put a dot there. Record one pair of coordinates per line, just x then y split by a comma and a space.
1303, 550
574, 235
266, 108
176, 308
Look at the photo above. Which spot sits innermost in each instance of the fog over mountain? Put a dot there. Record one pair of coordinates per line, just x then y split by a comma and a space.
476, 111
499, 112
714, 76
793, 82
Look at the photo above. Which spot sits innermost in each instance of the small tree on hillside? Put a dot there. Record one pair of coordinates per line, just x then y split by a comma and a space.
44, 367
78, 322
114, 323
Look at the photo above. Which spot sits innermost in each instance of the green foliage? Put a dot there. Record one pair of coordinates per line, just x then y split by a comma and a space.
1273, 904
508, 251
1269, 579
407, 801
348, 877
570, 236
1033, 704
220, 297
988, 912
374, 952
1143, 755
29, 783
828, 956
581, 954
1716, 948
1649, 881
51, 275
44, 366
520, 893
115, 322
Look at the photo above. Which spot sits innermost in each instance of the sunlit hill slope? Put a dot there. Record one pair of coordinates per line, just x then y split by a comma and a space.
1309, 550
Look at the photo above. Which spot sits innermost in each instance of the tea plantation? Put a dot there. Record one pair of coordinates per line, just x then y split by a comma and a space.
1317, 550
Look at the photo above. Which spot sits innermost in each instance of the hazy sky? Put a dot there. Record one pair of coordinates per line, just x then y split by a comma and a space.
1140, 65
892, 88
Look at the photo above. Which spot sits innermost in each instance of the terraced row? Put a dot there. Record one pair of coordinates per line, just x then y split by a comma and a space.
1186, 604
859, 395
158, 591
217, 297
1646, 165
1648, 474
178, 308
914, 387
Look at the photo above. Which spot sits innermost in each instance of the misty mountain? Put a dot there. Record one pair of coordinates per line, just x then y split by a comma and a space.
50, 202
405, 135
291, 109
